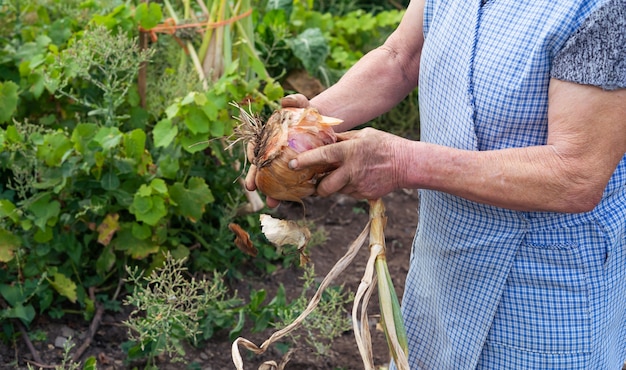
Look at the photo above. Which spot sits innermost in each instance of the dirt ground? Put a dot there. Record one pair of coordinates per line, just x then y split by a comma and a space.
341, 217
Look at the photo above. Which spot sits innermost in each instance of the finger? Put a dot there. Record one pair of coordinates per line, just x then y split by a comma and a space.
250, 176
347, 135
271, 202
294, 101
250, 151
328, 155
335, 182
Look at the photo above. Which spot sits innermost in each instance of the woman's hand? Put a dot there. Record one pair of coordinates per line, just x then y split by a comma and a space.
369, 163
295, 101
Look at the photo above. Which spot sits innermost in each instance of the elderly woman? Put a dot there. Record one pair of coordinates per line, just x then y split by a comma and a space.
519, 260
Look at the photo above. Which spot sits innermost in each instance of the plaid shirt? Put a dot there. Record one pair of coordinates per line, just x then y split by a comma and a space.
491, 288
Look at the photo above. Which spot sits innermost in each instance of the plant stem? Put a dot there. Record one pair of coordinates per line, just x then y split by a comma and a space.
389, 304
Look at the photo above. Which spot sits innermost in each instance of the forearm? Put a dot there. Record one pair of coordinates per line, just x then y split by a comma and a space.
381, 79
370, 88
526, 179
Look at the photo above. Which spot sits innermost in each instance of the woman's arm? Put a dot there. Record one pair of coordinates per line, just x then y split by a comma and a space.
381, 79
586, 141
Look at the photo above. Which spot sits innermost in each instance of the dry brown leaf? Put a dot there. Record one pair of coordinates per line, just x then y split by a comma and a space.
242, 240
108, 228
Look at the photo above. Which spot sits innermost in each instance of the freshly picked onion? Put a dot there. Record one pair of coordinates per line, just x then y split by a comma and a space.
286, 133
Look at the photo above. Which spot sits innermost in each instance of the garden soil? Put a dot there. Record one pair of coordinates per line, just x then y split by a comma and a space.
342, 218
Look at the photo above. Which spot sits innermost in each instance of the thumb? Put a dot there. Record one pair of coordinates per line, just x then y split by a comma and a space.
294, 101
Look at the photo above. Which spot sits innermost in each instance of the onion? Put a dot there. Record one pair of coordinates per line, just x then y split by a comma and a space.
286, 133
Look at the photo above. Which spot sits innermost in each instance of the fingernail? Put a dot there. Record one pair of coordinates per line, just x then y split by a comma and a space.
293, 164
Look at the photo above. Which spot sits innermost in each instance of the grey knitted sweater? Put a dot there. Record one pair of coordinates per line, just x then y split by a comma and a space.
596, 53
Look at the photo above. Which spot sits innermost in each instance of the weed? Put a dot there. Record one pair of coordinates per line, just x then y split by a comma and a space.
329, 320
169, 306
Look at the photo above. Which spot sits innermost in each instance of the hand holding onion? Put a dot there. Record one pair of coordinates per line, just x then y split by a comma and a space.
369, 164
297, 154
289, 101
273, 144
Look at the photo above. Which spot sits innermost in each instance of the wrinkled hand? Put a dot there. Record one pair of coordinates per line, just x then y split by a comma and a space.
369, 163
295, 101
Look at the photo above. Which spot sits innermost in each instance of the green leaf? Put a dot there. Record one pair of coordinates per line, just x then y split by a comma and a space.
8, 100
108, 137
159, 186
134, 247
144, 191
8, 209
135, 143
168, 167
279, 4
214, 104
82, 135
14, 294
236, 331
141, 231
64, 286
164, 133
196, 120
90, 363
8, 244
311, 48
194, 143
273, 90
110, 181
43, 235
149, 209
105, 261
24, 313
12, 135
191, 201
45, 212
172, 110
55, 149
189, 98
148, 15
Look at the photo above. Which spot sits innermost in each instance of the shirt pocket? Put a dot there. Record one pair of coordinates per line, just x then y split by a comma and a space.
545, 303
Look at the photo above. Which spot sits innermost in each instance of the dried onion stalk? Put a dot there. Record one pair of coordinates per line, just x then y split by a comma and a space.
287, 132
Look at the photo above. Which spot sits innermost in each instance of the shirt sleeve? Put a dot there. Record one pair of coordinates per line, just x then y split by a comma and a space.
596, 53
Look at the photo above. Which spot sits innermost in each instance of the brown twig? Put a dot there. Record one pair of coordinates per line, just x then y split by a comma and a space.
93, 327
40, 365
170, 27
29, 344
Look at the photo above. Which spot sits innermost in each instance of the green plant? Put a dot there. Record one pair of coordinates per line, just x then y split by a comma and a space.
97, 71
296, 34
169, 308
329, 320
92, 181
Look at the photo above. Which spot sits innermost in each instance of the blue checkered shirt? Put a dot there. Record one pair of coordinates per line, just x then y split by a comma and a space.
491, 288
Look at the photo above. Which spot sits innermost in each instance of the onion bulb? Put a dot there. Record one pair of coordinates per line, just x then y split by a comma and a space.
287, 132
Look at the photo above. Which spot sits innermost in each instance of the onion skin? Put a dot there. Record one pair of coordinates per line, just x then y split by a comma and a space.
288, 132
280, 182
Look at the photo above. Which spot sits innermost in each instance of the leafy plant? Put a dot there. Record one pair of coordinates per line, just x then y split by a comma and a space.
92, 182
322, 326
297, 34
169, 308
97, 72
